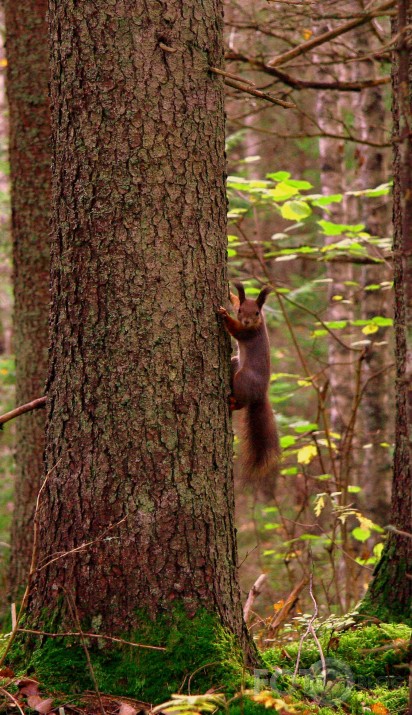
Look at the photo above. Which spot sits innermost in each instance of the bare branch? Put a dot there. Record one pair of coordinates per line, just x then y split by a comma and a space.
330, 35
34, 405
303, 83
80, 634
247, 87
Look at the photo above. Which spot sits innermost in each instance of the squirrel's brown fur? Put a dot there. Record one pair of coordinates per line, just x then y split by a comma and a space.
250, 382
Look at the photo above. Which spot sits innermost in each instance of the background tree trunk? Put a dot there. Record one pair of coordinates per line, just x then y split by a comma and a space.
30, 158
390, 592
371, 121
138, 424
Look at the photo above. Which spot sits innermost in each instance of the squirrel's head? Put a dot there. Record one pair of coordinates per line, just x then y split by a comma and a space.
249, 311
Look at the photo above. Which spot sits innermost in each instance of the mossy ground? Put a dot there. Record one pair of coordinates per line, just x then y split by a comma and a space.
367, 666
198, 652
367, 669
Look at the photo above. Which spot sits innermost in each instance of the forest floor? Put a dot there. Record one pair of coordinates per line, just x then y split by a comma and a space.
339, 667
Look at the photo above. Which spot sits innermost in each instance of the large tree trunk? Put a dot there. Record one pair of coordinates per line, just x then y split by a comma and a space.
390, 593
138, 424
30, 159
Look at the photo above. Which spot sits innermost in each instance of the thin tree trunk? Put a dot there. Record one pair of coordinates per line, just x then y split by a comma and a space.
30, 158
371, 117
138, 423
390, 593
331, 109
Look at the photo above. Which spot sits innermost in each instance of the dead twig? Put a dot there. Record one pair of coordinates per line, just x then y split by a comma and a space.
76, 634
28, 407
281, 616
246, 87
254, 592
85, 545
310, 629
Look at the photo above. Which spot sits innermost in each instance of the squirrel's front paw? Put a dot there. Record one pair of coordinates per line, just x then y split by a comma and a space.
223, 312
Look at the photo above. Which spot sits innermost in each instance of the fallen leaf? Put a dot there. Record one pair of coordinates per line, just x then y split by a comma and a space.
28, 687
379, 709
45, 706
33, 700
126, 709
6, 673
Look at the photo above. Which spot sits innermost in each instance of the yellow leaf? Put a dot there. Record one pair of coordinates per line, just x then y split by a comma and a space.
337, 297
279, 605
307, 34
379, 709
319, 504
369, 329
265, 698
4, 372
306, 454
3, 62
364, 522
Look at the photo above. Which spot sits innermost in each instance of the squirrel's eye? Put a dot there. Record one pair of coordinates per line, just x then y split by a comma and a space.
257, 312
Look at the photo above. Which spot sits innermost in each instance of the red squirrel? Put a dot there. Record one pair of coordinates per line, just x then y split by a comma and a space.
250, 376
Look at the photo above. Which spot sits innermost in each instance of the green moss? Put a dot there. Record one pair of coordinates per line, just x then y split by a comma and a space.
199, 654
387, 598
394, 700
371, 653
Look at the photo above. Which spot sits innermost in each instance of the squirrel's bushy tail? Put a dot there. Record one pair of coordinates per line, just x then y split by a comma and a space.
259, 446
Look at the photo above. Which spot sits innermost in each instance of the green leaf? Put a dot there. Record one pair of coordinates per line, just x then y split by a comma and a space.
381, 321
231, 252
382, 190
305, 427
279, 175
326, 200
361, 534
295, 210
352, 489
287, 441
304, 185
336, 324
336, 229
282, 192
331, 229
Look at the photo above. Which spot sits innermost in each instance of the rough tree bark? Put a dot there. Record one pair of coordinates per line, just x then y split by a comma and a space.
138, 424
30, 158
390, 592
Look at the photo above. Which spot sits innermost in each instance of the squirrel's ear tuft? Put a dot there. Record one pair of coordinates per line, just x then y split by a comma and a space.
234, 300
240, 289
262, 296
